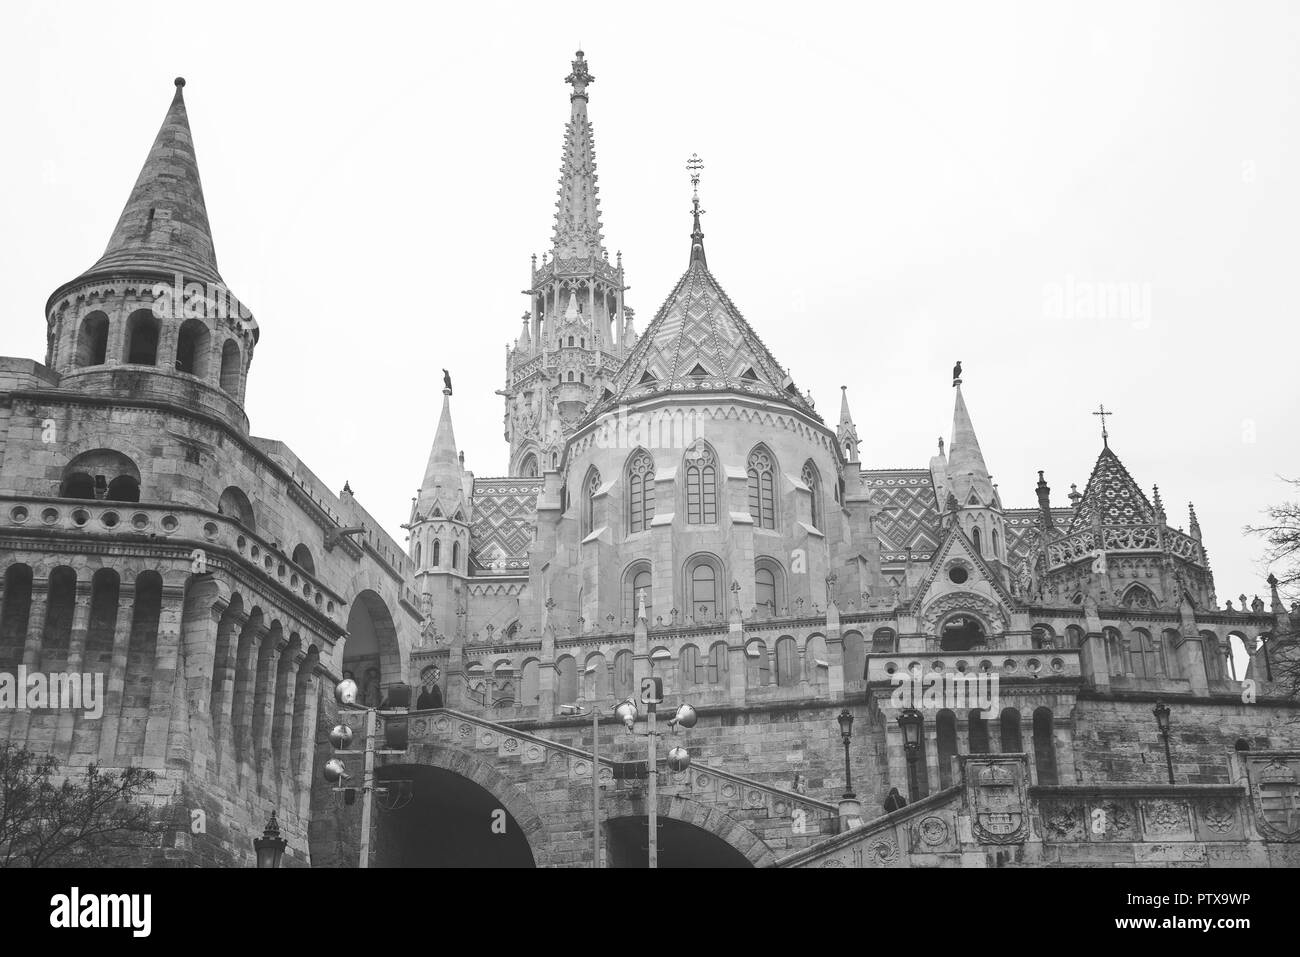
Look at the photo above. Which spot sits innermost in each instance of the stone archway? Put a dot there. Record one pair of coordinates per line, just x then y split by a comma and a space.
701, 824
510, 796
371, 653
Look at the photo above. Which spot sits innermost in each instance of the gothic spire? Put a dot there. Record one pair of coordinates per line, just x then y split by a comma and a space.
967, 472
443, 475
164, 225
846, 431
577, 211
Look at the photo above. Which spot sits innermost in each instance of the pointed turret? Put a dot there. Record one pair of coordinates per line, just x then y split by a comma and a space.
967, 473
443, 476
846, 431
1111, 497
1044, 503
577, 212
164, 225
1193, 526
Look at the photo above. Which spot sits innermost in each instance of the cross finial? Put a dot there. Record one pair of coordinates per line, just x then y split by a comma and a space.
693, 166
1105, 436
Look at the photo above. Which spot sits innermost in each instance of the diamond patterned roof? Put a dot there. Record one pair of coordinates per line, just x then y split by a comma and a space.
1112, 494
909, 515
505, 520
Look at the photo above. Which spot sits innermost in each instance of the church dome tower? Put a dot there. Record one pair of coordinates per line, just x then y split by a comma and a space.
152, 318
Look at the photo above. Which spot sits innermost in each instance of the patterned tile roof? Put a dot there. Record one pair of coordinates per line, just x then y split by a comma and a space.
1021, 525
1112, 494
505, 521
909, 516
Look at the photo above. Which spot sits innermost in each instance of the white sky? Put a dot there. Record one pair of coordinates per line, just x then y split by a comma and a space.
889, 187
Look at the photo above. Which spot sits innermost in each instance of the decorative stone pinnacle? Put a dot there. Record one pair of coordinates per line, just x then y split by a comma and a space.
580, 78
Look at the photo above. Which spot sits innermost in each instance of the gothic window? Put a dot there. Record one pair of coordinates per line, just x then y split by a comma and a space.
762, 482
418, 552
1236, 653
945, 730
1044, 746
455, 556
995, 543
1142, 655
718, 661
787, 661
570, 343
703, 586
978, 731
639, 590
701, 486
975, 538
437, 552
570, 376
1114, 652
765, 592
758, 670
92, 340
810, 478
528, 469
641, 491
589, 490
690, 669
1010, 725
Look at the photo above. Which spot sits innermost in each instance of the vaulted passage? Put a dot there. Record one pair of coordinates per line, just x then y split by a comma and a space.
680, 845
450, 822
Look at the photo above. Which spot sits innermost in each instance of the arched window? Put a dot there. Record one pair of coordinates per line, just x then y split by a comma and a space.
1142, 656
690, 668
762, 488
787, 661
302, 558
1115, 662
437, 553
1010, 722
996, 551
765, 592
946, 735
758, 671
639, 592
623, 674
1044, 746
77, 485
975, 539
701, 486
589, 490
704, 592
1073, 636
141, 345
640, 491
595, 680
882, 641
1138, 596
103, 474
1236, 657
528, 468
230, 367
192, 348
570, 343
455, 556
419, 554
567, 690
718, 669
816, 663
810, 478
530, 684
235, 504
92, 340
123, 488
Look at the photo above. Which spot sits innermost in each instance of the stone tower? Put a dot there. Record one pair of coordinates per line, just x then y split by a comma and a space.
577, 330
153, 319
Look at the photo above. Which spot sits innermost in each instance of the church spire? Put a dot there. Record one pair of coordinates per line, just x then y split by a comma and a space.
443, 475
967, 472
694, 165
846, 431
164, 225
577, 211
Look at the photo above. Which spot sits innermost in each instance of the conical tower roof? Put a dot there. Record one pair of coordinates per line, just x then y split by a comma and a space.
967, 473
443, 475
164, 227
699, 342
1112, 496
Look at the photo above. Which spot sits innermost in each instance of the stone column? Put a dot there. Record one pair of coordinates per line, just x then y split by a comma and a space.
245, 695
546, 673
192, 729
224, 666
39, 610
307, 748
112, 720
167, 653
76, 655
286, 700
264, 705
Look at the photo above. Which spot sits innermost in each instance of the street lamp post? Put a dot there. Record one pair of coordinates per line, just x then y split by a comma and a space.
910, 721
269, 848
1161, 711
578, 712
846, 732
678, 758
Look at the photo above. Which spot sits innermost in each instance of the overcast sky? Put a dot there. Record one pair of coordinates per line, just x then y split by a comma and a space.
889, 187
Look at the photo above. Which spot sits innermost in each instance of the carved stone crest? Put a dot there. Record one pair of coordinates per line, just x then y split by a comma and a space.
997, 801
1275, 793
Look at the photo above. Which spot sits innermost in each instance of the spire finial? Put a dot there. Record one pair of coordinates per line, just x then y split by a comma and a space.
1105, 436
580, 78
693, 166
179, 81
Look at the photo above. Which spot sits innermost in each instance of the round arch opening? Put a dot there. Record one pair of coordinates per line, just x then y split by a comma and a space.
680, 845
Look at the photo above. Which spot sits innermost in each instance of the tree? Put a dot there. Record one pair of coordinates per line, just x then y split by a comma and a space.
48, 819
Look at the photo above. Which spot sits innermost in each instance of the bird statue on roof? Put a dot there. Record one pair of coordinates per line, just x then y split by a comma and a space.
446, 382
956, 373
